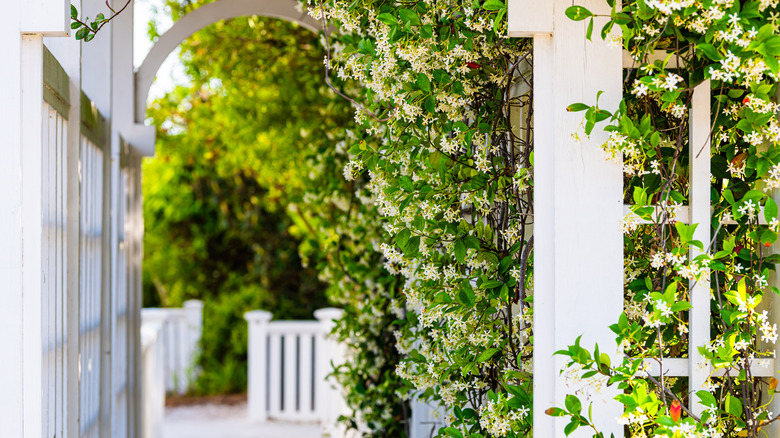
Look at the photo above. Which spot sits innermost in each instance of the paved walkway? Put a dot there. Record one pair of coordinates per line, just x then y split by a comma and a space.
222, 421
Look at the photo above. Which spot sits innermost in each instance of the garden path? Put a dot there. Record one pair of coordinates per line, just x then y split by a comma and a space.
224, 421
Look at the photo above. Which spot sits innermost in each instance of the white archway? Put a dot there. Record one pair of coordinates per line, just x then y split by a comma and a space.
198, 19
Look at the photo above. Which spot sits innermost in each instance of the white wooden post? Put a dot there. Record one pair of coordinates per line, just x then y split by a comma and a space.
182, 346
578, 203
194, 311
11, 412
699, 316
32, 266
258, 364
329, 353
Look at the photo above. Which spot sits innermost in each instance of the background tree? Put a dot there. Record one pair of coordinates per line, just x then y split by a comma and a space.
231, 157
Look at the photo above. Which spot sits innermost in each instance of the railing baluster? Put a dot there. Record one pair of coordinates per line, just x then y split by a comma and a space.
275, 375
305, 380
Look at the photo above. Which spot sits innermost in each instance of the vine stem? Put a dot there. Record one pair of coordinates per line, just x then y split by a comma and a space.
326, 33
104, 22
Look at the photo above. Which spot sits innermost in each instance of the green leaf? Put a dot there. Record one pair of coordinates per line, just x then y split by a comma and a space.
707, 398
423, 82
471, 242
430, 104
710, 51
733, 406
571, 427
576, 107
426, 31
773, 64
442, 77
406, 183
487, 354
493, 5
460, 251
504, 265
408, 16
770, 209
589, 32
452, 432
578, 13
498, 21
490, 284
573, 404
387, 19
402, 238
466, 294
74, 13
555, 412
75, 25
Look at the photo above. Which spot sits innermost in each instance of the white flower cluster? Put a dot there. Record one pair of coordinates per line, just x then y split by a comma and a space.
668, 6
498, 419
352, 169
768, 331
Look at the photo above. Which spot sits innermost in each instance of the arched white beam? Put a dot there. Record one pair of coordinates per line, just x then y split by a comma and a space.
198, 19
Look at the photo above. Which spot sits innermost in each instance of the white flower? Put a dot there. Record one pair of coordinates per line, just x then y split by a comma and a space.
640, 89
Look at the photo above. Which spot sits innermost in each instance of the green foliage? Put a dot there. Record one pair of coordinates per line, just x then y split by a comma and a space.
231, 160
445, 154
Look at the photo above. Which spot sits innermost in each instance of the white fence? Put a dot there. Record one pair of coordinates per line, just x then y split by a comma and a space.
152, 379
180, 331
169, 349
288, 366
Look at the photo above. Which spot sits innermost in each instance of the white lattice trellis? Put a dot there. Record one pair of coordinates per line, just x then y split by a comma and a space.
578, 248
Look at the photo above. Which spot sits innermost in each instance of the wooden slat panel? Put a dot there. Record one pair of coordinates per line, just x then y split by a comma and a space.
90, 321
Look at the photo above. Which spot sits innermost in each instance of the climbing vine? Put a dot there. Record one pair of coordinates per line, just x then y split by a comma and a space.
443, 99
733, 46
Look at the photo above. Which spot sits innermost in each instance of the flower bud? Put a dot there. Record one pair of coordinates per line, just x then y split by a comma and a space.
675, 411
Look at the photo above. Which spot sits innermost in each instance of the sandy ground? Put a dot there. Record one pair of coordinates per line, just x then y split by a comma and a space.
223, 421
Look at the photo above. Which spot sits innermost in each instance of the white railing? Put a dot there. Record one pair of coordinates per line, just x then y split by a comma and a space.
152, 379
169, 348
180, 331
289, 362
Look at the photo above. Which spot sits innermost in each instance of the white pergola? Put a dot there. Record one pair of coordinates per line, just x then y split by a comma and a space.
71, 224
